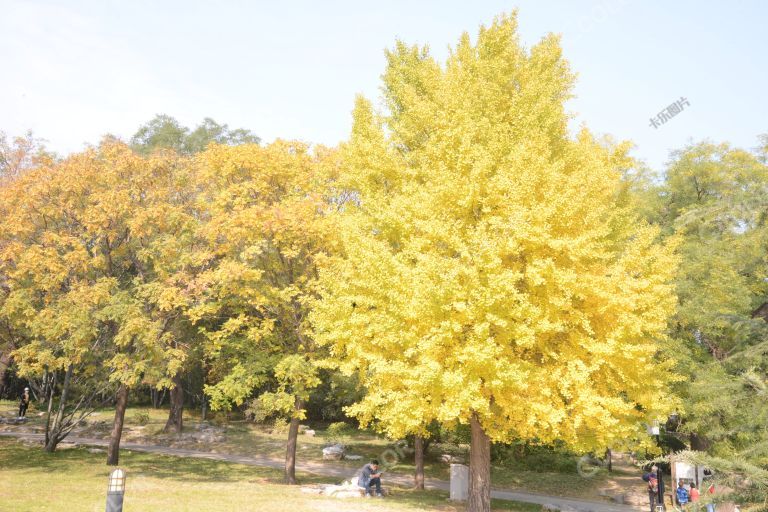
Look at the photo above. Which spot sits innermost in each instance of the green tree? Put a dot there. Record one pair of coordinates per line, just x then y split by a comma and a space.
165, 132
714, 199
265, 229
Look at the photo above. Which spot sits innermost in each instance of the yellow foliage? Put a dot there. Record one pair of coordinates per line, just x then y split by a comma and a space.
488, 265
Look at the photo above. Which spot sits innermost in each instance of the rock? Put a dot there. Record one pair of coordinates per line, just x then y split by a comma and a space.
618, 498
95, 450
312, 490
303, 429
309, 432
451, 459
548, 507
67, 446
335, 452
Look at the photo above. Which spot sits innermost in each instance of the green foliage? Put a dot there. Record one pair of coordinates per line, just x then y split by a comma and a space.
338, 432
141, 417
539, 458
713, 198
165, 132
280, 426
746, 482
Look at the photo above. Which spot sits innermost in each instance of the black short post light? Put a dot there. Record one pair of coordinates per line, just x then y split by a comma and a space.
116, 490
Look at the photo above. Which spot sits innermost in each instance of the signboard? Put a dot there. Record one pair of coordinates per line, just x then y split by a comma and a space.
687, 472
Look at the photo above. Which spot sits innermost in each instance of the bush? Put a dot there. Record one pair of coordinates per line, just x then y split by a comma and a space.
338, 431
141, 417
280, 426
529, 457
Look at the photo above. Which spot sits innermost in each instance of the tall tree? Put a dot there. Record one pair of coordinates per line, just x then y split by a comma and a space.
714, 200
95, 249
17, 155
266, 228
491, 274
165, 132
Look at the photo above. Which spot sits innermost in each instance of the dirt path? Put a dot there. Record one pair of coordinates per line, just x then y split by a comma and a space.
577, 505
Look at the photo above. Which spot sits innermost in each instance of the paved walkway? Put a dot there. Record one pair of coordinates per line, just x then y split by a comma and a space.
342, 473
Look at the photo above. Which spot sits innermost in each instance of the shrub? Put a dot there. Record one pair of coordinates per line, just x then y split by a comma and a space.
141, 417
338, 431
280, 426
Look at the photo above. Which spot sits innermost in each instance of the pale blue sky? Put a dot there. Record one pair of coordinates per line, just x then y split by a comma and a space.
74, 70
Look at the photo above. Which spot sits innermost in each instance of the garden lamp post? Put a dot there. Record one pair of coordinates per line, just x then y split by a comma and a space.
116, 490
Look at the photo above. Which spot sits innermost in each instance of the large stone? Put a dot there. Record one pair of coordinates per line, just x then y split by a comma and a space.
309, 432
335, 452
451, 459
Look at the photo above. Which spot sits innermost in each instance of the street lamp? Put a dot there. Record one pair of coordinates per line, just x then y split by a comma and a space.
116, 490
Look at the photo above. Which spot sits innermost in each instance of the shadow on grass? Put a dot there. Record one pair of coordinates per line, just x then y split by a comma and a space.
14, 455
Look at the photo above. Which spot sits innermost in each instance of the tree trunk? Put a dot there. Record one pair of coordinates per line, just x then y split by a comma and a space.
55, 433
5, 362
418, 456
479, 469
699, 443
51, 389
113, 452
175, 421
609, 459
290, 451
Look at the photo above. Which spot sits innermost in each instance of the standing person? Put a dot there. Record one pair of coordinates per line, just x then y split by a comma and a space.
694, 494
370, 477
711, 492
24, 403
682, 495
653, 491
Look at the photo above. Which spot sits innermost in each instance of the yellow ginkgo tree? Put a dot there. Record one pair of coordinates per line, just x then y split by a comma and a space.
491, 273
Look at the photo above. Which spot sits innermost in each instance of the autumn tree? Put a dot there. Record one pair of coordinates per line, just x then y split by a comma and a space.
17, 155
265, 229
95, 254
491, 275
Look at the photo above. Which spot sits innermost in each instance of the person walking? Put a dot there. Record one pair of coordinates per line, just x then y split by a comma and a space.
711, 493
653, 491
23, 403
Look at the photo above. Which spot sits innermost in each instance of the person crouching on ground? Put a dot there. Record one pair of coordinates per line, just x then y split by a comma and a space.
23, 403
370, 478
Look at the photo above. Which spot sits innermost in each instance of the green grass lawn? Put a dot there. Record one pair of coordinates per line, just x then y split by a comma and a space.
75, 480
145, 424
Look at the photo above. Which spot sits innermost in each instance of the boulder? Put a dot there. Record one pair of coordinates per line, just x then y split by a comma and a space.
618, 498
335, 452
309, 432
303, 429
